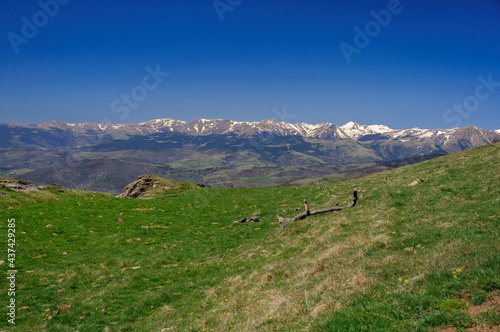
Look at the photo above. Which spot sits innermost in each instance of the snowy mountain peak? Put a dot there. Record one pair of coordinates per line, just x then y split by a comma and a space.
350, 124
380, 128
354, 130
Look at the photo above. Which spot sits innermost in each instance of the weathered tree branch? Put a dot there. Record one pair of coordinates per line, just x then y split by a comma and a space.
288, 221
248, 219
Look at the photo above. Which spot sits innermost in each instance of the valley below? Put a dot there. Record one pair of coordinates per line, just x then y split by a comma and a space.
218, 153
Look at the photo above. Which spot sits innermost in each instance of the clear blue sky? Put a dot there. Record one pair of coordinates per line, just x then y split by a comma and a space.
263, 55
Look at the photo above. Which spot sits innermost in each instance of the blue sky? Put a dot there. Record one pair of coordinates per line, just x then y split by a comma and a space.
252, 60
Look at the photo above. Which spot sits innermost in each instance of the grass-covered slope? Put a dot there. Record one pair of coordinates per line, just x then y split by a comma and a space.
404, 259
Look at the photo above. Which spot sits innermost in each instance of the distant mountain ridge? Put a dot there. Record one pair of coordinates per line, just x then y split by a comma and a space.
219, 153
59, 133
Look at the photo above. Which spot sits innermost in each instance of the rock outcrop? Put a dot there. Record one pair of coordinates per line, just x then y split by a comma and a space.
151, 186
139, 187
18, 185
414, 183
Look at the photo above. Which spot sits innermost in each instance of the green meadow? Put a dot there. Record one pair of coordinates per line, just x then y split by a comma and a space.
405, 258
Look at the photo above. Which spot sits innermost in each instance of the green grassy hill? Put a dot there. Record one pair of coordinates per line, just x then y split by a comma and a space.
404, 259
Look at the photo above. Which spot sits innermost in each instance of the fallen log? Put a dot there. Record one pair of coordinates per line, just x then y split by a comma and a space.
248, 219
288, 221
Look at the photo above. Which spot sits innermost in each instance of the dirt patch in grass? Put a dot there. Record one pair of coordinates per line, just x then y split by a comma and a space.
448, 329
474, 329
484, 328
492, 303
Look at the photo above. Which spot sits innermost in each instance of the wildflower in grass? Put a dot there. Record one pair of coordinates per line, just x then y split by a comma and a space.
399, 279
152, 307
270, 318
454, 276
225, 300
458, 270
406, 281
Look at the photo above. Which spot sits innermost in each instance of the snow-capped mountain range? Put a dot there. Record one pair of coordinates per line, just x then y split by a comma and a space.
350, 130
57, 133
85, 155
